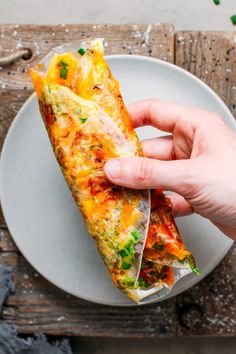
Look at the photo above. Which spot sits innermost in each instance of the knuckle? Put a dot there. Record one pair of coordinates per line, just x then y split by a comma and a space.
147, 112
145, 172
191, 183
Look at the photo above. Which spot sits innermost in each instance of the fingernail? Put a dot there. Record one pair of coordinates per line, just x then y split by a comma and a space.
112, 169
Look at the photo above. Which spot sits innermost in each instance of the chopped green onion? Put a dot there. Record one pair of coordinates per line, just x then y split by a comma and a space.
182, 261
83, 120
126, 265
63, 73
64, 69
82, 51
142, 283
129, 281
233, 19
124, 253
146, 285
127, 250
217, 2
136, 235
130, 246
63, 63
196, 270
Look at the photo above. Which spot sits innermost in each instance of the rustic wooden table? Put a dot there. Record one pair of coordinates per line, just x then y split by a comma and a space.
208, 308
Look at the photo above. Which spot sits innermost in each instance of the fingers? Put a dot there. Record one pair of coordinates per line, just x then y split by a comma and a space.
160, 114
165, 115
159, 148
180, 206
144, 173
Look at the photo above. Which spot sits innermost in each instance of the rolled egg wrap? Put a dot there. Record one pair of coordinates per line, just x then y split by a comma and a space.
88, 124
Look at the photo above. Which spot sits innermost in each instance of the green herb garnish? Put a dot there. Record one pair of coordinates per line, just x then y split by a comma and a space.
233, 19
216, 2
127, 250
126, 265
63, 72
136, 235
124, 253
64, 69
127, 255
83, 120
82, 51
182, 261
129, 281
196, 270
142, 283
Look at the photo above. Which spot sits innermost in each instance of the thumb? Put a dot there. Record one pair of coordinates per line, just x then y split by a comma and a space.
144, 173
180, 206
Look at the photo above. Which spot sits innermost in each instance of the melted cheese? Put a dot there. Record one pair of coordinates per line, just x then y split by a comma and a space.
88, 124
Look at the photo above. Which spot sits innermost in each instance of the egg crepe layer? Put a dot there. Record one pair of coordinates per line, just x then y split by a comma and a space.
88, 124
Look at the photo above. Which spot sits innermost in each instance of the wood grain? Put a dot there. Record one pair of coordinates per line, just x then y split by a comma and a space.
38, 306
206, 309
6, 242
211, 56
15, 83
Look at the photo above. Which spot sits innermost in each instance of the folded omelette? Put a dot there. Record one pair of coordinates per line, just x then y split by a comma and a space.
88, 124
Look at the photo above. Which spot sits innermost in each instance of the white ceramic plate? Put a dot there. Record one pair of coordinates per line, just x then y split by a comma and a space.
41, 214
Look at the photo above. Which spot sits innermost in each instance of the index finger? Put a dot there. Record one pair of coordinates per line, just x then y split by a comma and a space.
162, 114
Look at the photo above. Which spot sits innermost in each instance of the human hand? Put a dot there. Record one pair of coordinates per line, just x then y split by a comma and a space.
197, 161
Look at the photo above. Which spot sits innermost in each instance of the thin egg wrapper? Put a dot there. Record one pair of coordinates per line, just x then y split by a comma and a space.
88, 124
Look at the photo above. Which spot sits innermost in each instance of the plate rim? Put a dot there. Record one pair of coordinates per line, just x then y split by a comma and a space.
31, 98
